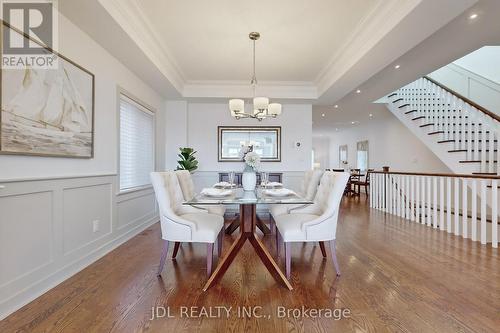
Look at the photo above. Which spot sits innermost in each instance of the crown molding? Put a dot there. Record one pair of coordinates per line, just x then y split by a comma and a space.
375, 25
132, 20
242, 89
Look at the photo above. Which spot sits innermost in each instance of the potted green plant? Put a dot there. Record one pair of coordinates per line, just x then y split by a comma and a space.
187, 159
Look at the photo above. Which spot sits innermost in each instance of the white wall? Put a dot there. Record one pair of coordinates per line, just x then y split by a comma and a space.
321, 147
471, 85
390, 143
194, 124
484, 62
46, 222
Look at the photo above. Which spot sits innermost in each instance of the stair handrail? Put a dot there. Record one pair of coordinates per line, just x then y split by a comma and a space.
465, 99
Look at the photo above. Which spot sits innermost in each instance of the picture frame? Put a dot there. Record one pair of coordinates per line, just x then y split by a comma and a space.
45, 129
266, 141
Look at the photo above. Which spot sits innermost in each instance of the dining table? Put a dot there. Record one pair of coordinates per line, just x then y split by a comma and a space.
247, 202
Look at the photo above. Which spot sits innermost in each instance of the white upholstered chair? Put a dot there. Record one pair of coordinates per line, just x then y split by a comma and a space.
182, 223
308, 189
187, 187
316, 222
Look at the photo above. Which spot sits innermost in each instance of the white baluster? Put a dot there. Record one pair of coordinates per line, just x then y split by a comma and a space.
470, 134
483, 211
412, 198
494, 213
474, 209
408, 203
441, 204
483, 149
423, 202
417, 199
476, 141
448, 204
371, 189
457, 208
491, 155
465, 222
434, 203
377, 195
429, 202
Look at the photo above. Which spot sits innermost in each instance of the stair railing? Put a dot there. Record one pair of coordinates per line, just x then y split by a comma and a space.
465, 205
454, 118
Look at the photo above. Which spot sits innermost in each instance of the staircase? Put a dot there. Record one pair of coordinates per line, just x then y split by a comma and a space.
461, 133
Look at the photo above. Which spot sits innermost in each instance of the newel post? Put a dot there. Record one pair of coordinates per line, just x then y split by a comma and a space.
385, 169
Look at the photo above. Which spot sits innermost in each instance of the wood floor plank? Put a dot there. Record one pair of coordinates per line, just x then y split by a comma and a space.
397, 276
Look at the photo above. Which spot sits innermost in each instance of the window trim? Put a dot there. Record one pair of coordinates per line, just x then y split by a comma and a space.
119, 92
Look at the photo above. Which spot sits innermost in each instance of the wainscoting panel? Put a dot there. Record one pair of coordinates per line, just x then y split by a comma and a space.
133, 208
26, 231
48, 233
82, 208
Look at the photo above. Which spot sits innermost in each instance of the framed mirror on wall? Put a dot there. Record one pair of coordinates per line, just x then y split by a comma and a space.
362, 155
343, 157
266, 142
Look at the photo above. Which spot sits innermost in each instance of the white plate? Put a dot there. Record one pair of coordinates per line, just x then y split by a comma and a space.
272, 185
216, 193
224, 185
280, 192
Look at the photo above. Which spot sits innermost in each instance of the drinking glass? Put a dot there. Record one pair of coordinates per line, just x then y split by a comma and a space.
231, 178
264, 179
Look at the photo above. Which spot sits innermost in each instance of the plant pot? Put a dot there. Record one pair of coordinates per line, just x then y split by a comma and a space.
249, 180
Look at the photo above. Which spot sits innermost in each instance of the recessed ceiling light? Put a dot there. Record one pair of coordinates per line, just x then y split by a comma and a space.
336, 129
353, 122
336, 106
322, 115
371, 115
397, 66
473, 16
358, 91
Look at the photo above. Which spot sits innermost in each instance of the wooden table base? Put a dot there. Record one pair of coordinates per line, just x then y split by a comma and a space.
236, 223
248, 223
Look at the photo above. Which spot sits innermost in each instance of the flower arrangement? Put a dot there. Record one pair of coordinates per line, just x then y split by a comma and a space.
251, 158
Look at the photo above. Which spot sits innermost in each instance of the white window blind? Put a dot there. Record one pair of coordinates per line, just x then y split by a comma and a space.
136, 144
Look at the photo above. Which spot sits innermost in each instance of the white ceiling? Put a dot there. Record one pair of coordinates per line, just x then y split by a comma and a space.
208, 40
315, 51
456, 39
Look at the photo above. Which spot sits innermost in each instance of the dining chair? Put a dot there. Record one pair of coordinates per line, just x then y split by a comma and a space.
183, 223
188, 192
308, 189
316, 222
364, 183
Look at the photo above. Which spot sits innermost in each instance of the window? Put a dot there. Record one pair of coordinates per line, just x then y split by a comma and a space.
136, 144
362, 158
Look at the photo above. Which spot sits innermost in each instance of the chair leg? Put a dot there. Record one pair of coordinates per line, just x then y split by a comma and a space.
334, 256
278, 243
288, 259
219, 243
272, 224
366, 189
210, 254
164, 251
323, 250
176, 249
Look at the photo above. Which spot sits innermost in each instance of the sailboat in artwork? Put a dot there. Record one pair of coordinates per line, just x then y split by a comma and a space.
48, 100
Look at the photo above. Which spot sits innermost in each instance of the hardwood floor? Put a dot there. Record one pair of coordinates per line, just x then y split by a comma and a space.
397, 276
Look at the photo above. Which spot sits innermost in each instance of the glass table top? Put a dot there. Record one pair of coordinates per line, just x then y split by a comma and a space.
241, 197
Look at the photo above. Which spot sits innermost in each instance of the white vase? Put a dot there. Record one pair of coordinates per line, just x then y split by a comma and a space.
249, 180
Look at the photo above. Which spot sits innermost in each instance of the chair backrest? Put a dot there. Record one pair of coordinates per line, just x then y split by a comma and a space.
330, 192
326, 204
168, 193
368, 172
312, 187
186, 184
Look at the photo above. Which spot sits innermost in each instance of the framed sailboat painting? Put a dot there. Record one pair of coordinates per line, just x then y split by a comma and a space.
47, 112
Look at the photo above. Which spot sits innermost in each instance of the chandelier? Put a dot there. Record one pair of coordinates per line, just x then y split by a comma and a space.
261, 107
